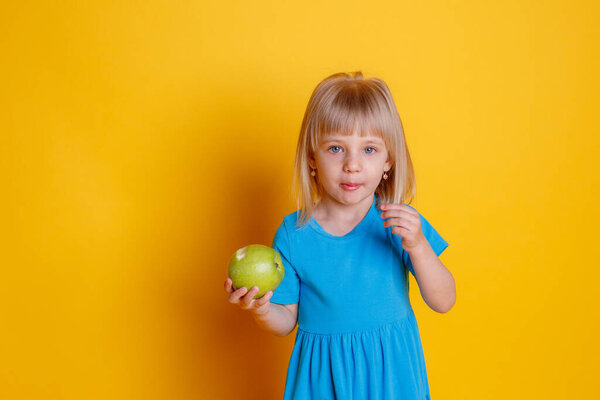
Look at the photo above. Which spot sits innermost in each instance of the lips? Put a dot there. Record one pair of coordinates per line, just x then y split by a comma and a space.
350, 185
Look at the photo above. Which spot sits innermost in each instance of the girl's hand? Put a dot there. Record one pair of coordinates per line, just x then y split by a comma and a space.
245, 299
406, 223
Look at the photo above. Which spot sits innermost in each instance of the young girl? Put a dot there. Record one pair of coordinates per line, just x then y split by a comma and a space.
347, 252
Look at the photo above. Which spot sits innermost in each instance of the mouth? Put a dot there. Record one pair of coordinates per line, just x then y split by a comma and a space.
350, 186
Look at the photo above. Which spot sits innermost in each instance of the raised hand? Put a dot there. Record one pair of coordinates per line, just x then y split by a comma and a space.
406, 223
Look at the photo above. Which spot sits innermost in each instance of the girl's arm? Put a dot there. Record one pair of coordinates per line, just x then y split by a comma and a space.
278, 319
436, 283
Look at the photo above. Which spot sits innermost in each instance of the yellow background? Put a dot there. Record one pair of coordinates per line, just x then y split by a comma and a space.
142, 143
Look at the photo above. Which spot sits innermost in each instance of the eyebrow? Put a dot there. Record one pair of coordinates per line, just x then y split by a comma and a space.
340, 139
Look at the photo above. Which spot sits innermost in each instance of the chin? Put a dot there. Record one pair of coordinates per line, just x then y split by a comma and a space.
354, 197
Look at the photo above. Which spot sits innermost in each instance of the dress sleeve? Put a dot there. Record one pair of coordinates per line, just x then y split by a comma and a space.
288, 291
437, 243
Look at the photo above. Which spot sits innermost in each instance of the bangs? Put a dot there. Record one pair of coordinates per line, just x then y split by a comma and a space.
353, 110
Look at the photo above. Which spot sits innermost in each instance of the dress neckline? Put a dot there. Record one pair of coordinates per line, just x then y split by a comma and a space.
361, 227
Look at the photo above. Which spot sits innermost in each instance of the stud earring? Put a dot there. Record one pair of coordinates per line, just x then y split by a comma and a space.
313, 173
385, 175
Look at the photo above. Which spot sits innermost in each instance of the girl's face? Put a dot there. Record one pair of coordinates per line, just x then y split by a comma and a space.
349, 168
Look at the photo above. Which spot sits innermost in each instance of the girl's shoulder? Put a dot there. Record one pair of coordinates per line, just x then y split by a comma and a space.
291, 217
291, 223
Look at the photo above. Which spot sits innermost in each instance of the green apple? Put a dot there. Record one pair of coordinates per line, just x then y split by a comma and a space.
256, 265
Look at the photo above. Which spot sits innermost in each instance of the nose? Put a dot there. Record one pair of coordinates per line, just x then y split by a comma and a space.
351, 163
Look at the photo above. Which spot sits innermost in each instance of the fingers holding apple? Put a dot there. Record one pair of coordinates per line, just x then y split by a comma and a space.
248, 300
245, 299
260, 306
234, 295
228, 285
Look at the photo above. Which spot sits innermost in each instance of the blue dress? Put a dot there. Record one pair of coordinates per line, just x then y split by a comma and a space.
357, 335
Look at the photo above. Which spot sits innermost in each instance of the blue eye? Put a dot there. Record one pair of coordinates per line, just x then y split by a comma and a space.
335, 147
370, 152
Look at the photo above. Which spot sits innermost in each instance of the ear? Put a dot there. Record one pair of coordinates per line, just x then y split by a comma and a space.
312, 163
388, 165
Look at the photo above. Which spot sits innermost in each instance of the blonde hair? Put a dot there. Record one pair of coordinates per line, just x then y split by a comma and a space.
347, 104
